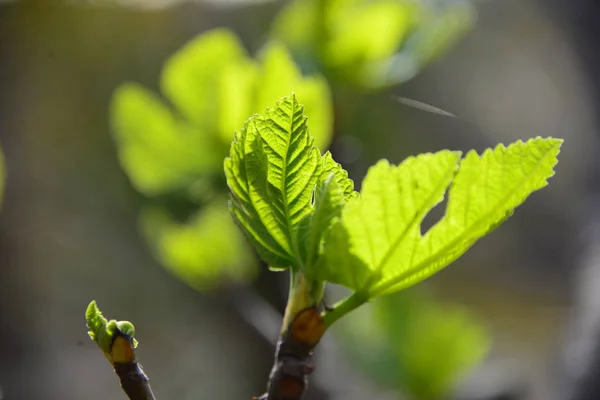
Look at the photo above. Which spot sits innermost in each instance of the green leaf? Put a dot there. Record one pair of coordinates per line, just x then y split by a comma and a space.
376, 32
340, 175
334, 189
378, 239
159, 152
206, 251
296, 25
272, 171
191, 78
235, 97
412, 344
279, 76
373, 44
329, 200
381, 227
95, 320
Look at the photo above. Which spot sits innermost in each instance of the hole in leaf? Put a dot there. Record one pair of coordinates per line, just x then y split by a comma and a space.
434, 216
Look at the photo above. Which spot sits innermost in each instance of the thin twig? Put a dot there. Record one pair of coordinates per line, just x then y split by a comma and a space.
134, 381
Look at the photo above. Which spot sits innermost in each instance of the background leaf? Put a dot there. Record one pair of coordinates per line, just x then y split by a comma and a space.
279, 77
235, 97
206, 251
409, 342
387, 42
160, 152
192, 77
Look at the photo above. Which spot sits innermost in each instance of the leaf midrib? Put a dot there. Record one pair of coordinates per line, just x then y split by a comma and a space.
284, 194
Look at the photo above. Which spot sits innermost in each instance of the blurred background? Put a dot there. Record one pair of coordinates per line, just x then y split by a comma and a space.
115, 116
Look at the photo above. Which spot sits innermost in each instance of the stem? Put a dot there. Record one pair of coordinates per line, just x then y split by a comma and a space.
134, 381
343, 307
301, 331
303, 294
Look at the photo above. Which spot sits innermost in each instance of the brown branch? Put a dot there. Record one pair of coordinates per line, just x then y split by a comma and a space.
134, 381
289, 376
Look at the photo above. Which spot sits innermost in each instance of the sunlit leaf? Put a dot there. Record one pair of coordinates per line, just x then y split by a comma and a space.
378, 238
159, 152
329, 200
330, 167
296, 25
272, 170
191, 78
372, 44
376, 32
334, 189
204, 252
235, 97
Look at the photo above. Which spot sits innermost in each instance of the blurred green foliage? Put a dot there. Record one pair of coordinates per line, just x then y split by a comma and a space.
410, 343
173, 152
372, 44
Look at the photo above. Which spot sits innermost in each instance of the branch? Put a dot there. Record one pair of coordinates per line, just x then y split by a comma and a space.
133, 379
289, 377
116, 340
301, 331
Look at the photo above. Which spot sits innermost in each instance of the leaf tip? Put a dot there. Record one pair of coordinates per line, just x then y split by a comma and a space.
95, 321
92, 312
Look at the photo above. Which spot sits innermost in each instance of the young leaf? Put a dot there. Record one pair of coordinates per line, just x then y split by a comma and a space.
340, 175
206, 251
381, 228
95, 321
191, 77
235, 97
378, 237
159, 152
272, 170
334, 189
329, 200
